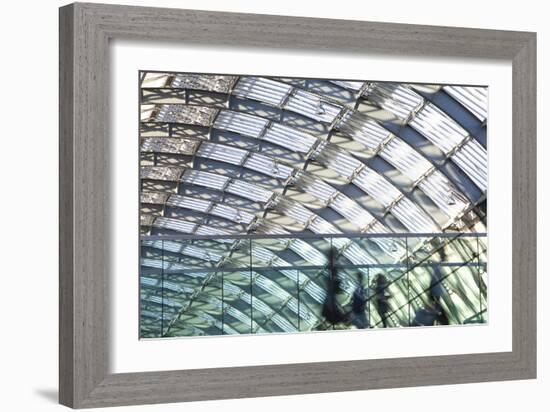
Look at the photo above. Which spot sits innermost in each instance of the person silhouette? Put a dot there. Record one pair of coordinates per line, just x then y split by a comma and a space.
381, 297
359, 299
436, 282
332, 312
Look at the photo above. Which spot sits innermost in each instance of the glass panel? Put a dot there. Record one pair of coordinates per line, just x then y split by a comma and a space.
318, 311
275, 301
151, 313
205, 254
461, 298
199, 303
446, 283
389, 297
237, 303
280, 285
290, 252
375, 250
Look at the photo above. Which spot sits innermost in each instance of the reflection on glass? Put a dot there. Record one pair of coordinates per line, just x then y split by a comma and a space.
196, 287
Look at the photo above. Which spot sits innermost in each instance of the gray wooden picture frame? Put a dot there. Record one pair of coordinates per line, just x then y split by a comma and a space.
85, 32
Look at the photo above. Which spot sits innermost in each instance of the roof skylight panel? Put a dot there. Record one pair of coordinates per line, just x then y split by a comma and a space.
174, 224
272, 229
349, 85
376, 186
185, 114
405, 159
222, 153
166, 173
472, 159
267, 166
146, 219
396, 98
357, 255
213, 83
362, 129
244, 124
336, 159
312, 255
157, 198
379, 227
321, 226
310, 105
352, 211
147, 113
474, 99
155, 80
248, 191
206, 179
232, 214
295, 210
438, 127
289, 138
205, 230
392, 246
188, 202
444, 195
262, 89
315, 187
168, 145
413, 217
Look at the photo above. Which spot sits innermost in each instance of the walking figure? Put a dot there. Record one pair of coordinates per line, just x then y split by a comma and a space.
359, 299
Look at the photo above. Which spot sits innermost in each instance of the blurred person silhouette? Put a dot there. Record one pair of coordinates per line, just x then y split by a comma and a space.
437, 290
436, 282
332, 312
381, 297
434, 313
359, 316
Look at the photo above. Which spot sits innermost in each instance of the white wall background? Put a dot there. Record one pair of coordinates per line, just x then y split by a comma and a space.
28, 296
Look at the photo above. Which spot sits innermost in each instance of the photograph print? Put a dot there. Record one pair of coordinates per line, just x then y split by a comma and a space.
284, 205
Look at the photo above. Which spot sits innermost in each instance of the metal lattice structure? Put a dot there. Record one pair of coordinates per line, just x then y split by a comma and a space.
255, 190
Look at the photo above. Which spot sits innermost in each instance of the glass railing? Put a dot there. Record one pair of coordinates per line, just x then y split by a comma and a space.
276, 284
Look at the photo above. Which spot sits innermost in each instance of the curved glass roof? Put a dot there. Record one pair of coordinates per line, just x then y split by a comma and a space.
256, 191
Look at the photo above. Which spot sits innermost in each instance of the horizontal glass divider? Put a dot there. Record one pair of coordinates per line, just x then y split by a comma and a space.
301, 268
351, 236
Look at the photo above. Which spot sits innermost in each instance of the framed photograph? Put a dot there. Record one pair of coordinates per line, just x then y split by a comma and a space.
256, 205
